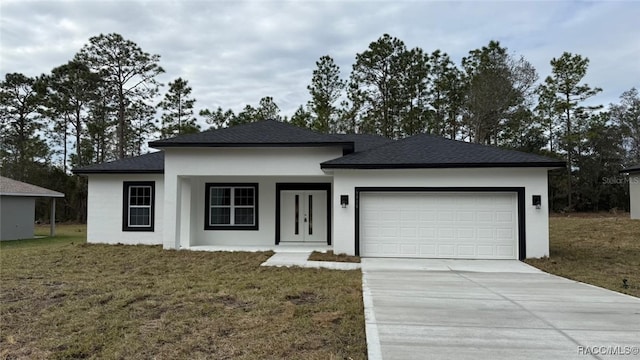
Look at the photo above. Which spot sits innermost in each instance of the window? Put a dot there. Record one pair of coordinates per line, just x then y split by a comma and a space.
231, 207
138, 205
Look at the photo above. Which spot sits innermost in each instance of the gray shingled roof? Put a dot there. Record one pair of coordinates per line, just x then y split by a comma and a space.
631, 169
427, 151
371, 151
152, 163
364, 142
10, 187
256, 134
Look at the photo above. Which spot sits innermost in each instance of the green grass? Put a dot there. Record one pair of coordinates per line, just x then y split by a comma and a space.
598, 249
63, 299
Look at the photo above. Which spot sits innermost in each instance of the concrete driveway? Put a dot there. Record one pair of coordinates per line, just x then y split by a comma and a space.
476, 309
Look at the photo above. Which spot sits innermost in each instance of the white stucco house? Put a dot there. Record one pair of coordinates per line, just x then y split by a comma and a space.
273, 184
634, 189
18, 208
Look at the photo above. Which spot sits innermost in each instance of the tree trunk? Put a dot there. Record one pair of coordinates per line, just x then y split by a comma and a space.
121, 124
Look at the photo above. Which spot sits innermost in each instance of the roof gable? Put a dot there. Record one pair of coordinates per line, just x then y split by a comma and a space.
428, 151
152, 163
256, 134
10, 187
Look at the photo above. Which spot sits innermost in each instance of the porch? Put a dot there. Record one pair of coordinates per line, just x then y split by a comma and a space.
249, 213
282, 248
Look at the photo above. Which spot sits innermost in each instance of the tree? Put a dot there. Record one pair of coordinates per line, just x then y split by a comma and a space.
446, 95
101, 144
129, 72
627, 115
600, 153
141, 127
325, 89
498, 87
388, 90
72, 89
21, 145
218, 119
178, 118
562, 96
413, 99
302, 118
267, 110
386, 80
247, 115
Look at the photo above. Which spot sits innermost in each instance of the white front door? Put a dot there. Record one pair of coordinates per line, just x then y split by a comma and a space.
303, 216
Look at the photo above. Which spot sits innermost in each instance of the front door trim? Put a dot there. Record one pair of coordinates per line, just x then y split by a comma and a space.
303, 187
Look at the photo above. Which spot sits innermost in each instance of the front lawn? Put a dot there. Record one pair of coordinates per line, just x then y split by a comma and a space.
61, 298
598, 249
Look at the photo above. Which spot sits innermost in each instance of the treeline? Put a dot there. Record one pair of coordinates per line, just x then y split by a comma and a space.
105, 104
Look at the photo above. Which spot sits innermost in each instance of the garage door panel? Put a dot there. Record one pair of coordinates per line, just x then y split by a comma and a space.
429, 233
506, 251
446, 233
485, 251
465, 216
409, 249
467, 251
447, 216
466, 234
441, 225
504, 216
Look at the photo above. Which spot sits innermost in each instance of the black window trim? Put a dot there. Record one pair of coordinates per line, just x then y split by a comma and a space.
126, 185
207, 206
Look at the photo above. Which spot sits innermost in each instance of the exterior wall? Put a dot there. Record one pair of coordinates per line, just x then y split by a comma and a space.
105, 206
634, 195
187, 169
533, 180
17, 217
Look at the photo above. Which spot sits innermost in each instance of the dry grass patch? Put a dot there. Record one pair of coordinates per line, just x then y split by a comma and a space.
64, 299
595, 249
330, 256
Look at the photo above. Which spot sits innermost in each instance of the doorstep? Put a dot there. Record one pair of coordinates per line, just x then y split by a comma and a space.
301, 259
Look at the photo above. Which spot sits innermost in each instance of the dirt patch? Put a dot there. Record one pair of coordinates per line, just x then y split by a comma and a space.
330, 256
305, 297
232, 303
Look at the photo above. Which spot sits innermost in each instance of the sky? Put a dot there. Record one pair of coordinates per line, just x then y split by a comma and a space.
233, 53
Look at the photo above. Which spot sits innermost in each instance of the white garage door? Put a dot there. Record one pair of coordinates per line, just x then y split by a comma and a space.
439, 225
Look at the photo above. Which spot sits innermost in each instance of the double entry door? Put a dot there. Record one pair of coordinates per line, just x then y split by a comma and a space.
303, 216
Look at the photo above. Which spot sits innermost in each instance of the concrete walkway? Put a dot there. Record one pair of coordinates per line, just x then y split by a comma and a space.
469, 309
301, 259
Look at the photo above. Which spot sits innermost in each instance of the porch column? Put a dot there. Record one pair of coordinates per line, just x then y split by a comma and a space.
184, 215
171, 201
52, 220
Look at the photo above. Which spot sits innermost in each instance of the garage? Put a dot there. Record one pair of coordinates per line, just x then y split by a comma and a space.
439, 224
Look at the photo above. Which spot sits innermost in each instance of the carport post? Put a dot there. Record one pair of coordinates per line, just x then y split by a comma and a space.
52, 221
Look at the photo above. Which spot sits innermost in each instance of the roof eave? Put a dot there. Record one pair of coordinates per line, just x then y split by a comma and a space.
444, 166
103, 171
161, 144
58, 195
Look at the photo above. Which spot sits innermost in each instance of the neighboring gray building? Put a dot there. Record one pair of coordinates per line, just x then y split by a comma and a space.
634, 189
17, 208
